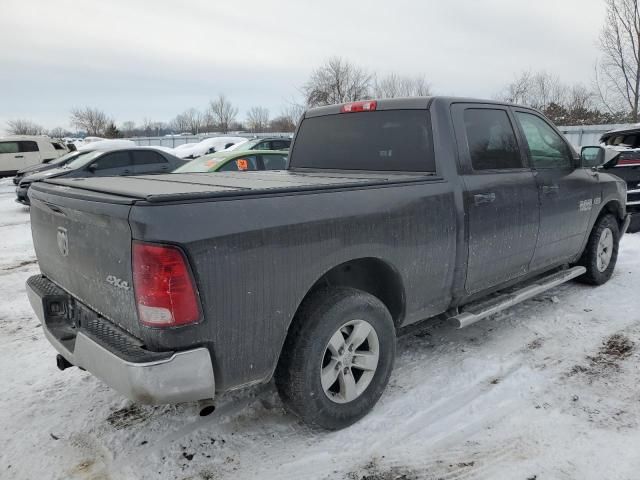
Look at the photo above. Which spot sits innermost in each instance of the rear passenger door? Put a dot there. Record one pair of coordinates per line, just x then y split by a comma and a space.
148, 161
113, 164
274, 161
567, 192
501, 197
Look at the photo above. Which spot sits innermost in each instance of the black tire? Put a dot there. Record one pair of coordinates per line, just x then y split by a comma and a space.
589, 258
298, 374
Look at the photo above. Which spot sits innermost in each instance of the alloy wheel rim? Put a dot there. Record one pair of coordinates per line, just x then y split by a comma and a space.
350, 361
605, 250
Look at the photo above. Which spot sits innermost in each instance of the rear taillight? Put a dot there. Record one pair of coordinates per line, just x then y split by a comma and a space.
163, 285
366, 106
628, 161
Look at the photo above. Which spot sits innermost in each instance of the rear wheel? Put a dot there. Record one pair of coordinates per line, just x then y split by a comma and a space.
601, 253
337, 358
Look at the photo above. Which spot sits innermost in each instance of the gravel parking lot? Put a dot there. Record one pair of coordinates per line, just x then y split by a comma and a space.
546, 390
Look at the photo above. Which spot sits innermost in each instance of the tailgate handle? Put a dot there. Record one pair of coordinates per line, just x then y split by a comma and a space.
550, 189
481, 198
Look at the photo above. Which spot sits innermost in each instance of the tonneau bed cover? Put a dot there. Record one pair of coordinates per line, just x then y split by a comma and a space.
186, 186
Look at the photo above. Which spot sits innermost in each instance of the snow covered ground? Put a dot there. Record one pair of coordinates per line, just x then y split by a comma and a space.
547, 390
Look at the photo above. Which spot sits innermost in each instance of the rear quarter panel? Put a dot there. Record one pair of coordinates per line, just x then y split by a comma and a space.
255, 259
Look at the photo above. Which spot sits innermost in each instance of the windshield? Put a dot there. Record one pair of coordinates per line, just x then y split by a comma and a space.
83, 158
64, 158
387, 140
207, 163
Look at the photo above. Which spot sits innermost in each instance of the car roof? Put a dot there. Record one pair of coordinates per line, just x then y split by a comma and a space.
26, 137
117, 149
411, 103
635, 128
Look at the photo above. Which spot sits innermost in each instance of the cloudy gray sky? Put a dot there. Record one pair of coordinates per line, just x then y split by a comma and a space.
137, 59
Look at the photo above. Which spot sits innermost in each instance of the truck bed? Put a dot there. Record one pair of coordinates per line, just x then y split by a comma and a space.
188, 186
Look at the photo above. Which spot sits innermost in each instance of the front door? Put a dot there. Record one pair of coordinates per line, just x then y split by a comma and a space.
567, 192
501, 198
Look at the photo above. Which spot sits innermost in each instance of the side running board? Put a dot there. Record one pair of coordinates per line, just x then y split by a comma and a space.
475, 312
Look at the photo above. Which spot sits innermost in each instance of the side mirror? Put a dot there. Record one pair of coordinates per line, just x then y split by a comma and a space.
93, 167
594, 157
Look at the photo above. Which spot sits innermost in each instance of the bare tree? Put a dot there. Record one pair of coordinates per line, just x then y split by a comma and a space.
57, 132
282, 123
394, 85
23, 127
128, 128
538, 90
93, 121
618, 72
180, 123
223, 113
195, 120
258, 119
562, 103
337, 81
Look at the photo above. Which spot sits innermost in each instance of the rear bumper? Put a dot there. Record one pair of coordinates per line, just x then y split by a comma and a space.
22, 195
115, 357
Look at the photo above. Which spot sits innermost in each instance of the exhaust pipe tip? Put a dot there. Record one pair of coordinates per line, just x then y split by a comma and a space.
206, 407
62, 363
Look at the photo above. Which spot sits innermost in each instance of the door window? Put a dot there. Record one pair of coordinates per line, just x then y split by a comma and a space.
280, 144
113, 160
546, 147
274, 162
147, 157
491, 140
9, 147
263, 146
247, 163
28, 146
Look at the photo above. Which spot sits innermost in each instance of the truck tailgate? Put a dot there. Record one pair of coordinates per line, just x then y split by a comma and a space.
85, 248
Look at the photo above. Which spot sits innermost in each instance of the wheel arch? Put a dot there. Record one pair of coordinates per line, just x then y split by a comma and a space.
369, 274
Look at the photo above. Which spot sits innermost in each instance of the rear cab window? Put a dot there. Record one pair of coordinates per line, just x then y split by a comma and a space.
491, 140
382, 140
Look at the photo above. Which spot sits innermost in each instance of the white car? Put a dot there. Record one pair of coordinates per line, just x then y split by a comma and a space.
22, 151
208, 145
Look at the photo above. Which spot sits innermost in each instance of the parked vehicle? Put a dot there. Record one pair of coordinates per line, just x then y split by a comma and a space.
101, 144
415, 208
103, 163
41, 167
234, 161
268, 143
627, 167
208, 145
22, 151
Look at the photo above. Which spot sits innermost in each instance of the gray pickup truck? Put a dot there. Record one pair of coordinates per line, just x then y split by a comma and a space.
171, 288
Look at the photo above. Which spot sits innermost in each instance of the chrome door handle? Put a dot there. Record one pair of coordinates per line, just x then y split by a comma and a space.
549, 189
481, 198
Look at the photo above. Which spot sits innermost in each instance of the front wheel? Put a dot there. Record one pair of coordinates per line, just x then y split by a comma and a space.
601, 253
337, 358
